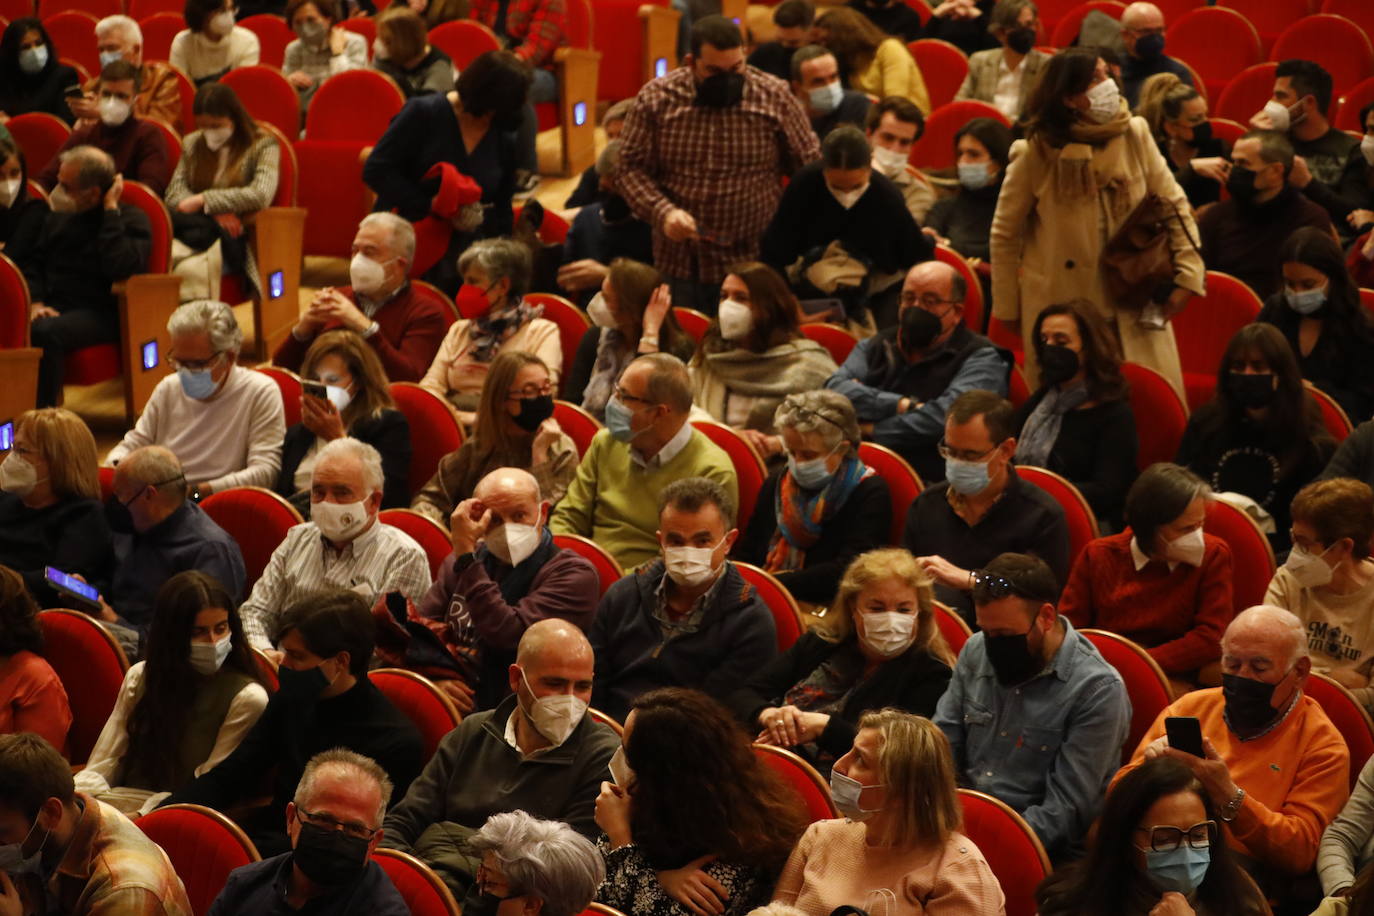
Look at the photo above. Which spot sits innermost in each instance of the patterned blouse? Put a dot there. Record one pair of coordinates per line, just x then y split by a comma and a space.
631, 884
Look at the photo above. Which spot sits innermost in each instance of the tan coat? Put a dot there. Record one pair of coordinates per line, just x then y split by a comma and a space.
1045, 248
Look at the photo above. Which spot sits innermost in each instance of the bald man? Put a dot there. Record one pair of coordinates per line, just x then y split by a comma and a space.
1142, 32
1277, 771
903, 380
536, 752
505, 573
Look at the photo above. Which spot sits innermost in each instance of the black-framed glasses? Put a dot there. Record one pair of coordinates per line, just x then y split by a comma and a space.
196, 365
928, 301
484, 884
325, 822
1168, 838
961, 454
532, 390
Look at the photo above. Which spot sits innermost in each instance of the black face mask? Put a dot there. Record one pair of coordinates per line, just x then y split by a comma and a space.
614, 209
918, 329
1251, 390
301, 686
1021, 40
721, 90
1057, 363
1248, 702
1149, 47
508, 122
534, 411
1240, 184
1011, 658
118, 516
1202, 134
329, 857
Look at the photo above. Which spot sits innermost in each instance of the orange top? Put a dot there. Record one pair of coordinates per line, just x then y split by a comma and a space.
32, 699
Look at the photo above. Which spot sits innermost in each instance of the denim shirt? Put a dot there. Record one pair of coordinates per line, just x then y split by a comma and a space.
1047, 747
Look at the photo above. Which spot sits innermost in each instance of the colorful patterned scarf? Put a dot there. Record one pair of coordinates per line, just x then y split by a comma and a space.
802, 514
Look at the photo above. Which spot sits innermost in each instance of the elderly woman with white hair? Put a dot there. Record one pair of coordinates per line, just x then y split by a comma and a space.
827, 505
549, 868
224, 422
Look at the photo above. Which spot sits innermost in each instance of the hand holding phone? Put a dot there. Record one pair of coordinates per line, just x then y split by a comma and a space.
314, 389
1185, 734
86, 595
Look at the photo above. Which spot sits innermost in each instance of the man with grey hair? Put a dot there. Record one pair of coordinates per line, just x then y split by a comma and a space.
159, 95
224, 422
1142, 33
86, 243
543, 862
647, 444
1275, 767
342, 546
603, 230
334, 824
590, 187
404, 327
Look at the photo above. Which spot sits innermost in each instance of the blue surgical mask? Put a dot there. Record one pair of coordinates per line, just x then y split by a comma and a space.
618, 420
810, 475
825, 99
12, 858
974, 175
109, 57
968, 478
1180, 869
197, 385
1306, 301
33, 60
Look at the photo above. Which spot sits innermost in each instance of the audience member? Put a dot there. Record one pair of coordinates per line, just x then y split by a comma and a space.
893, 125
342, 546
693, 817
321, 48
88, 242
963, 221
902, 816
792, 21
1177, 115
648, 444
31, 78
903, 380
871, 60
134, 144
224, 422
537, 752
325, 701
1275, 767
546, 864
1163, 583
1361, 220
590, 187
1036, 717
505, 574
21, 212
895, 19
405, 328
402, 51
754, 353
90, 860
966, 24
35, 700
50, 512
1242, 236
159, 93
1262, 435
334, 823
356, 404
821, 509
1004, 76
1355, 456
212, 44
1079, 423
883, 649
705, 150
815, 78
1181, 867
1085, 166
603, 231
1142, 35
185, 707
514, 429
1321, 317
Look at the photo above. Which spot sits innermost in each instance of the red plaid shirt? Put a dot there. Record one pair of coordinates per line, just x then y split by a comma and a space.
723, 166
533, 27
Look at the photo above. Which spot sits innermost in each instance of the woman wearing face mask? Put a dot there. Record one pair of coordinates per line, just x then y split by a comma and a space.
356, 404
228, 170
514, 429
870, 61
694, 822
321, 48
880, 649
528, 861
34, 698
827, 505
1082, 171
898, 849
964, 220
754, 354
1262, 436
1320, 315
1157, 851
1162, 582
1177, 115
402, 52
632, 314
31, 79
50, 509
185, 707
21, 213
1361, 219
1079, 423
212, 45
1005, 75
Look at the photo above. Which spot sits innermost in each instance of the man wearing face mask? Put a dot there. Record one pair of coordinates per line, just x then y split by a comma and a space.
505, 574
706, 148
342, 546
603, 230
904, 379
63, 851
379, 304
815, 77
1004, 76
537, 752
688, 619
134, 144
792, 21
1142, 33
1035, 716
893, 125
159, 95
1276, 768
334, 823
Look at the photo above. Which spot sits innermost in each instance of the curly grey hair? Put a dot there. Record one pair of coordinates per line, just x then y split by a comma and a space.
206, 316
822, 411
364, 454
501, 258
547, 860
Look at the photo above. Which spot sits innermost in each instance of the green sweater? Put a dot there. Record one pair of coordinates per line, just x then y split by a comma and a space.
614, 501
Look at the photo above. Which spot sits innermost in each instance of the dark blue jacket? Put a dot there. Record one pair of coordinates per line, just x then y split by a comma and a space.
260, 889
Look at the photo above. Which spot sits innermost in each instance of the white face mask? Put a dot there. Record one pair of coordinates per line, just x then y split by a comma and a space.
513, 543
216, 137
1367, 148
208, 657
220, 24
889, 162
888, 633
846, 792
848, 199
555, 717
338, 396
9, 191
1187, 549
620, 768
1309, 569
17, 476
339, 521
113, 111
600, 312
366, 275
736, 319
1104, 101
379, 50
690, 566
60, 201
1279, 117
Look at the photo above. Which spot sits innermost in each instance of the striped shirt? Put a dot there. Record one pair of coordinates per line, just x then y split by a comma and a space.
382, 559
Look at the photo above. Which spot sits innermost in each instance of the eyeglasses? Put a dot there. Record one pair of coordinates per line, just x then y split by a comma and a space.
961, 454
806, 413
532, 390
324, 821
928, 301
625, 397
1167, 839
484, 884
196, 365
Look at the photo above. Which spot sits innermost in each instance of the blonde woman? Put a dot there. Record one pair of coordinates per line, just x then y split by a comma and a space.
883, 649
1177, 115
872, 61
899, 847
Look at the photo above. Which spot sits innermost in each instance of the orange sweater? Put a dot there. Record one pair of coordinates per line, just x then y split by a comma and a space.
1296, 778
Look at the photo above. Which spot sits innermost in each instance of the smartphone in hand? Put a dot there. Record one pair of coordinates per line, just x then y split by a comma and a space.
1185, 734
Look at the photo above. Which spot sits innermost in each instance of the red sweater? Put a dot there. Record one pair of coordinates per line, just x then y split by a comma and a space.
1178, 614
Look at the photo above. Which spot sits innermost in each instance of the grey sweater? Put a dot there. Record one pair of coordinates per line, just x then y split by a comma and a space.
1347, 844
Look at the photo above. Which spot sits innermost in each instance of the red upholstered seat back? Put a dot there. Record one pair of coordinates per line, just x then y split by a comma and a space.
953, 628
289, 383
1246, 92
430, 536
40, 135
1217, 42
1160, 414
802, 777
839, 342
1012, 850
203, 845
1252, 557
580, 425
159, 28
421, 702
332, 192
91, 666
464, 40
434, 430
268, 97
787, 620
1146, 684
608, 571
354, 105
749, 469
421, 889
14, 306
1348, 715
273, 37
1066, 31
935, 149
1077, 513
257, 519
73, 35
942, 65
572, 324
903, 483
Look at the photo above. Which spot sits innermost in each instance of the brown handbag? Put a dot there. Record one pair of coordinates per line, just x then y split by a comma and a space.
1137, 261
